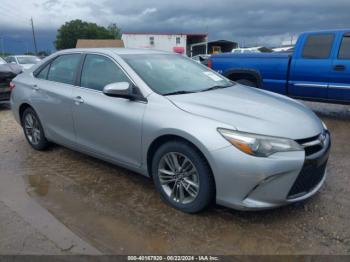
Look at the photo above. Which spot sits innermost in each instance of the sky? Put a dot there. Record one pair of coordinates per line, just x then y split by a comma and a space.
248, 22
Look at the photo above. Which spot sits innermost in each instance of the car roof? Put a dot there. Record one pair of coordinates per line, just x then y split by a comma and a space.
117, 51
344, 30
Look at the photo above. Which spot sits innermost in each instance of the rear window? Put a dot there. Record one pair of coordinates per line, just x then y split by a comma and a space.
318, 46
344, 51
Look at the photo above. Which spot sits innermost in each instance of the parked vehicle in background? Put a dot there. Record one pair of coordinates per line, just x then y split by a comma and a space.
202, 59
318, 69
7, 73
25, 61
200, 136
245, 50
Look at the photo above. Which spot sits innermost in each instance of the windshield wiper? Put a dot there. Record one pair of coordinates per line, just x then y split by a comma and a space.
215, 87
181, 92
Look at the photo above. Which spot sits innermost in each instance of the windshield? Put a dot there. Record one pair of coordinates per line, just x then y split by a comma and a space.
167, 73
23, 60
2, 61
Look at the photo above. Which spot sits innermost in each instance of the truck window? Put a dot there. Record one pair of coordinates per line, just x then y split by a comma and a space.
318, 46
344, 51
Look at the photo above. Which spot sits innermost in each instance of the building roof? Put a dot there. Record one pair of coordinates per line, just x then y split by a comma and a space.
93, 43
165, 33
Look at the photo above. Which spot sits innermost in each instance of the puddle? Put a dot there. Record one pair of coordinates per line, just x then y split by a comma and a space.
39, 183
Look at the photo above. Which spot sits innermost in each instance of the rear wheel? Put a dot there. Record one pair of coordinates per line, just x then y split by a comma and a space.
33, 130
182, 177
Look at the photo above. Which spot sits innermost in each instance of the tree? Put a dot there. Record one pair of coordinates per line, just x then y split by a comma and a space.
115, 31
70, 32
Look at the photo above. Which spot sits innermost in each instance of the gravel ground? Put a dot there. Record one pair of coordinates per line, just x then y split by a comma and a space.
119, 212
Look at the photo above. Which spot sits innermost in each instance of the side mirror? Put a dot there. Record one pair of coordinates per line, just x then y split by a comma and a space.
120, 89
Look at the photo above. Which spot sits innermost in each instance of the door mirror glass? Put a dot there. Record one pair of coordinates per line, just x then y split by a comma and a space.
120, 89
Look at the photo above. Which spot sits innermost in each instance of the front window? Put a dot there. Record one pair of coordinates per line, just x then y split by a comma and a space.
99, 71
26, 60
167, 73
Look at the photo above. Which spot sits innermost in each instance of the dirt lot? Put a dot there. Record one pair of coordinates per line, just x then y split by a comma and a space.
119, 212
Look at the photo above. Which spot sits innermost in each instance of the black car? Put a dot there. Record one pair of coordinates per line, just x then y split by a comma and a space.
7, 73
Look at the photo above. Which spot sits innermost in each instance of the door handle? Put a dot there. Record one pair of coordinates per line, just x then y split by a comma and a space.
35, 87
78, 100
339, 68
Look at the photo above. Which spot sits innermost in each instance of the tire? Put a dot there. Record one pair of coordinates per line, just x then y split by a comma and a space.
246, 82
193, 199
34, 131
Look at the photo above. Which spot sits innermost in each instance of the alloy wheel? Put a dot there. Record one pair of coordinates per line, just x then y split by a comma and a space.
178, 177
32, 128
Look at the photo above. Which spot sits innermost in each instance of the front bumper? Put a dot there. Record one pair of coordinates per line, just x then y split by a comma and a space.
251, 183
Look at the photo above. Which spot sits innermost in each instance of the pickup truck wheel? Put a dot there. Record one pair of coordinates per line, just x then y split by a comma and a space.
246, 82
33, 130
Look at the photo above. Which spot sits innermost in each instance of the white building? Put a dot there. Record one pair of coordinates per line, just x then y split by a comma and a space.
172, 42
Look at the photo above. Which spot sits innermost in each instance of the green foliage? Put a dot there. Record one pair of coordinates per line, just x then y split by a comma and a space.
70, 32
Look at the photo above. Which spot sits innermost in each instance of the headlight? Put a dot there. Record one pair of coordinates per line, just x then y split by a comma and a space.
259, 145
324, 126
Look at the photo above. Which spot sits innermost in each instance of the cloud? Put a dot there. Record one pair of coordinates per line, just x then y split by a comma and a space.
247, 22
149, 11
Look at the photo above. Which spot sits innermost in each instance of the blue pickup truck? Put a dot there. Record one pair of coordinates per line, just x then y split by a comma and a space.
318, 69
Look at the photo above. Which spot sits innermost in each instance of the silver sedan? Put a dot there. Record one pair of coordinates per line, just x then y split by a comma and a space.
201, 137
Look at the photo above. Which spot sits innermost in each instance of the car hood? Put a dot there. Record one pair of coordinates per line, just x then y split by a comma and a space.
252, 110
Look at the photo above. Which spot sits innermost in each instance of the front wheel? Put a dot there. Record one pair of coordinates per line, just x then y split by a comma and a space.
33, 130
182, 177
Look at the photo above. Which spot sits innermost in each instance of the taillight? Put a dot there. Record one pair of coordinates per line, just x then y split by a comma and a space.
12, 85
210, 63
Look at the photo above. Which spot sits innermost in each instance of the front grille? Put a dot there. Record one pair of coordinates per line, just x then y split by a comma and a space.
316, 156
309, 177
311, 145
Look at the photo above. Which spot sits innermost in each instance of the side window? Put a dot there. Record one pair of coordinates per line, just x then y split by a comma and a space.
64, 69
99, 71
344, 51
151, 40
178, 40
10, 59
43, 73
318, 46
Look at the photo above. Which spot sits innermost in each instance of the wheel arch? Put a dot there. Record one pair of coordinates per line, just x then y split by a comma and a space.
162, 139
21, 110
245, 73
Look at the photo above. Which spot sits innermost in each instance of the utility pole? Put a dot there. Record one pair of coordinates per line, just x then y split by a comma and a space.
2, 45
34, 40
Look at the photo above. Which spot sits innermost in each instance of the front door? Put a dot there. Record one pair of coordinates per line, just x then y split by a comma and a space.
108, 126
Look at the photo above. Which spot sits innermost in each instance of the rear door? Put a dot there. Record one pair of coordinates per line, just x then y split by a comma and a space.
311, 64
52, 97
339, 86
